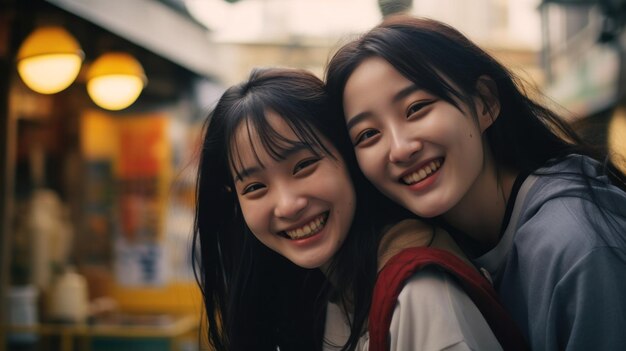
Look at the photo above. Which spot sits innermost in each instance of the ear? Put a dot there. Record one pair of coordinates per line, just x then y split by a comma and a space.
487, 102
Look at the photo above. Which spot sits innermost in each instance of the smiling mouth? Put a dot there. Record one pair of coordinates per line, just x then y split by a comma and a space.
423, 172
307, 230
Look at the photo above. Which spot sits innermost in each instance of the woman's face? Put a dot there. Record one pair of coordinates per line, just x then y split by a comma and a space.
301, 206
418, 149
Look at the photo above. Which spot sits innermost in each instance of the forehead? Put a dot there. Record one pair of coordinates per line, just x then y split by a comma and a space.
388, 80
374, 70
254, 148
247, 137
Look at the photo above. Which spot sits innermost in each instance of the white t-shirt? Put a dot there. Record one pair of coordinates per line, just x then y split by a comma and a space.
432, 313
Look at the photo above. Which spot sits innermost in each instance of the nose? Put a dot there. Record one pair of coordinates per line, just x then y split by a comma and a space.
289, 205
403, 147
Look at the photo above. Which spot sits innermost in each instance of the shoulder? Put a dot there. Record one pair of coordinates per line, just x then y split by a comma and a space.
567, 213
428, 282
576, 177
433, 312
430, 291
572, 200
563, 231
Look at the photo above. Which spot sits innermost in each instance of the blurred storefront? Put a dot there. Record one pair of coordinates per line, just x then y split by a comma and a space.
584, 61
96, 199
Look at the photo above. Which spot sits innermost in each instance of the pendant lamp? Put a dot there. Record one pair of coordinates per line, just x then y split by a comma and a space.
115, 80
49, 59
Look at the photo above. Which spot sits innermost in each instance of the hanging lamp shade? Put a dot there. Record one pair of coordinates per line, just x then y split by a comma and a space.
115, 80
49, 59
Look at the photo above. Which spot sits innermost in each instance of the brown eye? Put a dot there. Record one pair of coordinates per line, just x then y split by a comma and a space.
304, 164
365, 135
252, 187
417, 107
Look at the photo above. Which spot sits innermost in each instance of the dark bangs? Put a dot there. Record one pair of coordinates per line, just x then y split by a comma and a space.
302, 113
417, 60
445, 49
420, 50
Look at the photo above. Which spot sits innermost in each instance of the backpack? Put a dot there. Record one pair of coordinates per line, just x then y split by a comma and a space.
392, 278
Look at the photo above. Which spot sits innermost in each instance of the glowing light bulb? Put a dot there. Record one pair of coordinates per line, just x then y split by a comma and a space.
49, 60
115, 80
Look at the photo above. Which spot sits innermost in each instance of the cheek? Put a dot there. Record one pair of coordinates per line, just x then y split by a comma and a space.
471, 141
460, 133
253, 216
341, 188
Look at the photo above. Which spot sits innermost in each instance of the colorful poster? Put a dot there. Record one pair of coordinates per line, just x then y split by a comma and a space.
129, 167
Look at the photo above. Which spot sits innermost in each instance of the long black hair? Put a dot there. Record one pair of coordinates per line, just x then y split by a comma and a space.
254, 298
525, 135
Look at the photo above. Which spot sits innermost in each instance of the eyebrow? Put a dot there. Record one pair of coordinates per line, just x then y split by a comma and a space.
294, 148
399, 96
246, 172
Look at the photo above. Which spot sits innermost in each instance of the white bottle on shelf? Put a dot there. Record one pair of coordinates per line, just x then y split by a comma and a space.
69, 300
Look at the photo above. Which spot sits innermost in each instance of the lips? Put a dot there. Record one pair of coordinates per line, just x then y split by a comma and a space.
422, 173
307, 229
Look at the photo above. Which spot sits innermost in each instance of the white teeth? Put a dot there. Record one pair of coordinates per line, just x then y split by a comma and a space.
422, 173
308, 229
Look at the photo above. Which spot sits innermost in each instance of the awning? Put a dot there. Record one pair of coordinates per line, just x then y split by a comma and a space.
154, 26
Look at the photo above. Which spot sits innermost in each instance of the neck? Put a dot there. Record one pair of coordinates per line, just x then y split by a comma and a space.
481, 211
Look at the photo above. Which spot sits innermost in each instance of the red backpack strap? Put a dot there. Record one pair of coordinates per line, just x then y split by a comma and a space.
392, 278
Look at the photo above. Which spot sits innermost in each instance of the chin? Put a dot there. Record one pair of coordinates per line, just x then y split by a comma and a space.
429, 211
310, 264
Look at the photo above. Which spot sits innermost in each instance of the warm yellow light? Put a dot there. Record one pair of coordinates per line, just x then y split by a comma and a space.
617, 138
115, 80
114, 92
49, 60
